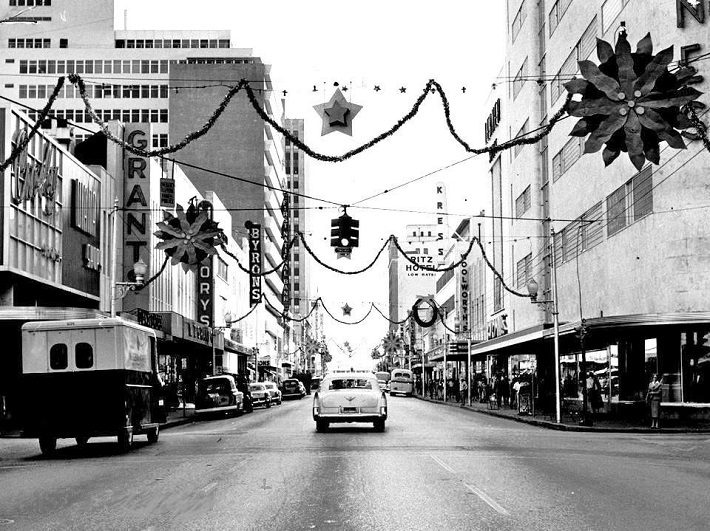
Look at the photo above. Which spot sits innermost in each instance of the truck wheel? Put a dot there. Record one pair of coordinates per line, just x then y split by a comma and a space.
379, 425
322, 425
153, 435
125, 440
81, 441
47, 445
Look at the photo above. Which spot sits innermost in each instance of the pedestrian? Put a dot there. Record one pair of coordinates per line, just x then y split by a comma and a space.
653, 399
595, 394
505, 390
463, 391
516, 391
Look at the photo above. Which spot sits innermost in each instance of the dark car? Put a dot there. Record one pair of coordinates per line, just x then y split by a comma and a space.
243, 387
292, 388
218, 394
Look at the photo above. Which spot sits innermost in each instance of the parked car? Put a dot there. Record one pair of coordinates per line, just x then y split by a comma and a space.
292, 388
259, 395
218, 394
273, 392
350, 397
303, 389
315, 383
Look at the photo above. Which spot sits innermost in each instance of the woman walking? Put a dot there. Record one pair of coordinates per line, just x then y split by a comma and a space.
653, 399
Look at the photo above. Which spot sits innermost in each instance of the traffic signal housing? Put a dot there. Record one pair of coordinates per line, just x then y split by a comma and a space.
345, 232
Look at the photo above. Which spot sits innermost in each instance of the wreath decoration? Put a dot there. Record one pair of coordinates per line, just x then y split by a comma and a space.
434, 312
631, 101
189, 237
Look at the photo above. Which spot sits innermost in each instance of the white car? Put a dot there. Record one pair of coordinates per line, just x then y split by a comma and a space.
273, 392
350, 397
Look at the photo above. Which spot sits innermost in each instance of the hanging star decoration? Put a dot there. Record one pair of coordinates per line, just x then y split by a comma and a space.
377, 88
347, 309
403, 89
189, 237
631, 102
392, 343
337, 114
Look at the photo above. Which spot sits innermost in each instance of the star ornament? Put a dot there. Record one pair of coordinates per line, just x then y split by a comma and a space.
631, 102
337, 114
347, 309
188, 238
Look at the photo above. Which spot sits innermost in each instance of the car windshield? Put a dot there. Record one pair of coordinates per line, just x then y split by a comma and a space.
349, 383
257, 387
291, 384
217, 386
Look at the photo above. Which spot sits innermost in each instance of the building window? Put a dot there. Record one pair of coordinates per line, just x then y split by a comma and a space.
591, 231
222, 269
523, 271
519, 20
295, 163
630, 202
566, 157
523, 131
610, 10
519, 80
584, 47
522, 203
559, 8
287, 159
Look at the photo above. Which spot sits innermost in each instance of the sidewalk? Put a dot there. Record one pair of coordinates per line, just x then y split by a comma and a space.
569, 423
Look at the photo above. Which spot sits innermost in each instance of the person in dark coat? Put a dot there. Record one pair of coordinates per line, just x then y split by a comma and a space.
653, 399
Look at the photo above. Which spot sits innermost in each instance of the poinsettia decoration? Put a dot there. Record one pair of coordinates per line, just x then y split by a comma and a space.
631, 102
392, 343
189, 237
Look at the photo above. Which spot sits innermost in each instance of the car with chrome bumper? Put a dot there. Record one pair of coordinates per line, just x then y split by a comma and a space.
218, 395
259, 395
350, 397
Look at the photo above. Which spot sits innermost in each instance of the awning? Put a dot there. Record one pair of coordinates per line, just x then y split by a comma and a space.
521, 338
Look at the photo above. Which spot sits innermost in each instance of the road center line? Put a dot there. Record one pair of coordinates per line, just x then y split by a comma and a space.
478, 492
490, 501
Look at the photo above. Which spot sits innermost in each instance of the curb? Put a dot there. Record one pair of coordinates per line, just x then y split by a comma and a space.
566, 427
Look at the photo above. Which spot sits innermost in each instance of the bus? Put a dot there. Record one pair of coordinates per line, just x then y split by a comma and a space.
402, 382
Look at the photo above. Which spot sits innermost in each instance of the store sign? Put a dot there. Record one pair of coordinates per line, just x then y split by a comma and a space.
285, 255
205, 294
167, 192
91, 257
255, 268
695, 8
137, 197
196, 332
85, 208
35, 178
149, 319
498, 327
464, 297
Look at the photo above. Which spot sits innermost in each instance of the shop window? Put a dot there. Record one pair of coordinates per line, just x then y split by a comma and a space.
84, 356
695, 366
58, 357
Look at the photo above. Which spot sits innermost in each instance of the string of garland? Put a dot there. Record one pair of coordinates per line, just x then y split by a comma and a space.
287, 248
190, 137
336, 270
251, 310
20, 147
497, 274
409, 313
288, 317
699, 125
443, 322
431, 87
369, 311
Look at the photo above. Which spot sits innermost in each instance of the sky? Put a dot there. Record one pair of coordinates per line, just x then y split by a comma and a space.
391, 44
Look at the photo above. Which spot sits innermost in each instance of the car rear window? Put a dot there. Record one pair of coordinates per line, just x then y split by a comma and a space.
349, 383
291, 385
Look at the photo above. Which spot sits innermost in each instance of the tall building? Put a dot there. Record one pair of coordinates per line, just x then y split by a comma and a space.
297, 283
629, 247
174, 81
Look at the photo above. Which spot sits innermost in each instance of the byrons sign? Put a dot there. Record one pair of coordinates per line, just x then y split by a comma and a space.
254, 230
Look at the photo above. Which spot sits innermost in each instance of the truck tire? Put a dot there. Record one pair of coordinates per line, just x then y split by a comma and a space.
47, 445
125, 439
153, 435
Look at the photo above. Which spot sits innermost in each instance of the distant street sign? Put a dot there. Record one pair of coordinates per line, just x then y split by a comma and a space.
458, 347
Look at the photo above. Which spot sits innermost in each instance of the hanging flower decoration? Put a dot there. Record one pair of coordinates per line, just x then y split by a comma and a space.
189, 237
631, 102
312, 346
392, 343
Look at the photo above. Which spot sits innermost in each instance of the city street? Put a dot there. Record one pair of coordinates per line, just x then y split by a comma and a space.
435, 467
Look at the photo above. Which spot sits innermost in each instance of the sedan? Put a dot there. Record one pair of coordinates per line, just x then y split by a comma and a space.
259, 395
350, 397
273, 392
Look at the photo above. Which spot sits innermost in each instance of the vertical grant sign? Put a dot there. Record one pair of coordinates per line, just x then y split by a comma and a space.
137, 220
254, 230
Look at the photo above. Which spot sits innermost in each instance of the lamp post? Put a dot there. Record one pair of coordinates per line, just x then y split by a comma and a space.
532, 290
228, 320
121, 289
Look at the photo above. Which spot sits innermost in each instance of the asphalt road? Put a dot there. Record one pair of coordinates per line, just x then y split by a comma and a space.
435, 467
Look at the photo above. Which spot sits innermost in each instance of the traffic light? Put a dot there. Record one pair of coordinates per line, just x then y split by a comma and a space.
344, 232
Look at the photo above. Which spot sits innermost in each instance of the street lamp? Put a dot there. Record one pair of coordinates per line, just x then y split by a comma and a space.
532, 290
121, 289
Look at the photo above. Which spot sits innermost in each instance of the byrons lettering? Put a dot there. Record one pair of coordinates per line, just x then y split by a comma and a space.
254, 231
